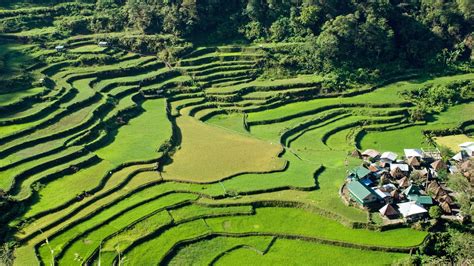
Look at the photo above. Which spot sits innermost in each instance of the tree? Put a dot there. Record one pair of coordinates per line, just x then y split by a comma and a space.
464, 190
435, 212
144, 15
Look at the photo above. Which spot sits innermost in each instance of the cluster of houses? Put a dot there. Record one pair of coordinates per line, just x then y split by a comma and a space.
62, 48
403, 188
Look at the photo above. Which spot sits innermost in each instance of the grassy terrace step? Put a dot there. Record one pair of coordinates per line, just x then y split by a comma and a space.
302, 222
265, 85
319, 136
26, 191
120, 184
178, 215
47, 104
218, 69
141, 79
384, 95
86, 244
264, 95
295, 252
210, 251
172, 85
16, 98
123, 104
169, 238
13, 177
154, 129
128, 62
153, 250
180, 104
66, 125
233, 82
124, 238
117, 216
204, 68
224, 75
233, 78
214, 57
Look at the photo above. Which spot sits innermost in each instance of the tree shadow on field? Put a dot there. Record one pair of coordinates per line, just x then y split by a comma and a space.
174, 143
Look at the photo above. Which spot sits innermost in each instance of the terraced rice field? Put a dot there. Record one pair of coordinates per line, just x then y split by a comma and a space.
199, 163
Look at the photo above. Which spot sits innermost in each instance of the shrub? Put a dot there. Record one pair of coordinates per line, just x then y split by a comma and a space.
435, 212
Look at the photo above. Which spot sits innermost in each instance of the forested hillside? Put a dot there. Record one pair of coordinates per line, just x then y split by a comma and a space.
185, 132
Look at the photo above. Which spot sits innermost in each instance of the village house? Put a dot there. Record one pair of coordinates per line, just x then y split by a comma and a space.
388, 157
389, 211
405, 187
413, 153
362, 194
103, 44
370, 154
468, 147
60, 48
411, 211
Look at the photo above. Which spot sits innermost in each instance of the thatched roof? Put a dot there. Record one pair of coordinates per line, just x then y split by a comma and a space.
446, 208
388, 210
413, 161
438, 165
395, 194
356, 154
433, 186
397, 173
466, 166
371, 153
404, 182
447, 199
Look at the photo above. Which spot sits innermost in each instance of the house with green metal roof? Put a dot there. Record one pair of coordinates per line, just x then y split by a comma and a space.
359, 172
411, 190
421, 199
360, 193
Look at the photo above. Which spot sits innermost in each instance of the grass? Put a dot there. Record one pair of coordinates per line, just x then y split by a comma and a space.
204, 252
147, 253
413, 136
153, 128
197, 210
204, 147
297, 252
301, 222
453, 141
13, 97
126, 218
87, 243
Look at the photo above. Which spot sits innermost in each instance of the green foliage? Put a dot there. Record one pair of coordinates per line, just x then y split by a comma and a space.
436, 98
435, 212
465, 192
95, 59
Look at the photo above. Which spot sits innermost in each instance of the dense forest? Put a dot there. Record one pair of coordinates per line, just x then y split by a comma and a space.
367, 39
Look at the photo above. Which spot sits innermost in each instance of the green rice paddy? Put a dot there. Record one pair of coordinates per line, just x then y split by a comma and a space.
205, 163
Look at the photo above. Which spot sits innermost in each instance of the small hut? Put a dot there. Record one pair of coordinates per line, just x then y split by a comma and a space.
413, 162
370, 154
446, 208
389, 211
438, 165
404, 182
395, 195
356, 154
60, 48
446, 198
397, 173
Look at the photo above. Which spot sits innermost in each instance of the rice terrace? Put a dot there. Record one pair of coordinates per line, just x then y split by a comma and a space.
247, 132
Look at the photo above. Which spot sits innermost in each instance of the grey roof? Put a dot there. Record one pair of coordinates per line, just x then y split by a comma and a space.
389, 156
401, 166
